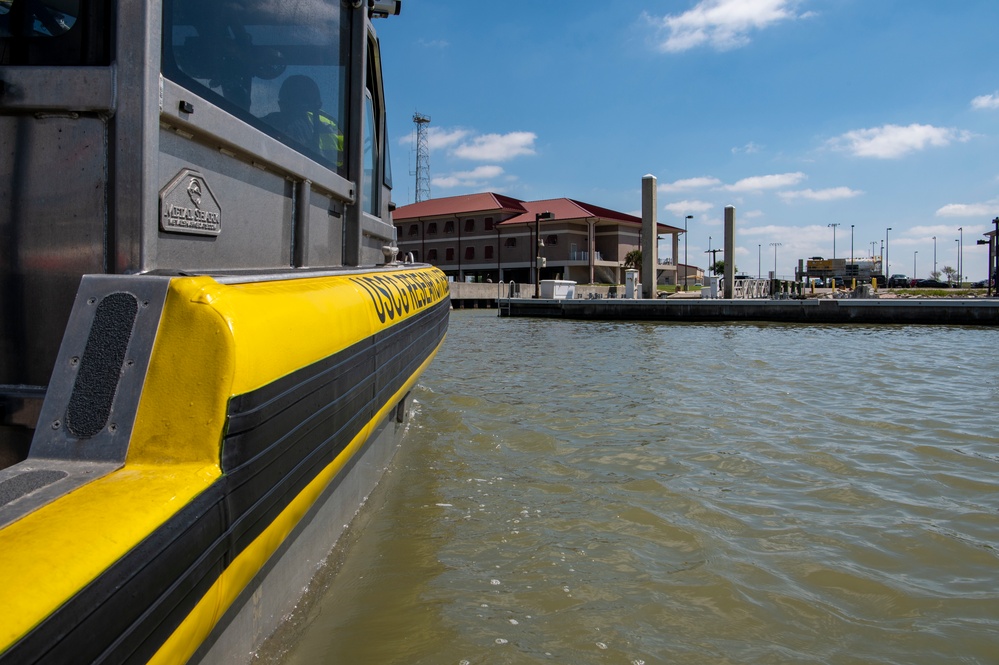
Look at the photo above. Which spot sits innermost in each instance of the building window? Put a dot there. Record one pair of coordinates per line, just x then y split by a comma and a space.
469, 225
551, 240
414, 230
432, 229
449, 227
469, 253
489, 223
489, 251
449, 254
510, 242
416, 255
431, 255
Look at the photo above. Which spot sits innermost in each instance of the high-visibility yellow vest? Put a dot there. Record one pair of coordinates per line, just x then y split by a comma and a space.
328, 138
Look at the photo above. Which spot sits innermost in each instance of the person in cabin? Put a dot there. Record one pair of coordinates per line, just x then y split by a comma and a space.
301, 118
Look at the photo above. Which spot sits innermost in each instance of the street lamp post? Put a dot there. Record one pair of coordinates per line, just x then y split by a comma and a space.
775, 245
957, 259
833, 226
887, 265
990, 277
685, 250
993, 261
914, 263
934, 275
960, 257
759, 261
537, 250
851, 243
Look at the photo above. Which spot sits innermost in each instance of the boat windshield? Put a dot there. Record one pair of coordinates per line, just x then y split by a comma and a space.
280, 66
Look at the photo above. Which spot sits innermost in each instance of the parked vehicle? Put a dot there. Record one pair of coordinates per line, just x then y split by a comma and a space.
932, 284
898, 280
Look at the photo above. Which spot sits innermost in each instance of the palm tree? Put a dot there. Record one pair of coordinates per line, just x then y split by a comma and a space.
633, 259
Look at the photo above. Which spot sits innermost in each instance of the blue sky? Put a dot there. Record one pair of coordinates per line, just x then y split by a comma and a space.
800, 113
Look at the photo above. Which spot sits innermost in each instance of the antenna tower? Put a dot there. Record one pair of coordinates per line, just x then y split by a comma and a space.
422, 157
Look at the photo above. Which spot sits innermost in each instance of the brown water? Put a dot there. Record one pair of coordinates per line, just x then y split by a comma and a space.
577, 492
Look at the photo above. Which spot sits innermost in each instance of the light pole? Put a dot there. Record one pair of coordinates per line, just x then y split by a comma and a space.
934, 275
851, 243
960, 257
887, 265
685, 250
993, 261
537, 253
914, 263
874, 245
759, 261
833, 226
775, 245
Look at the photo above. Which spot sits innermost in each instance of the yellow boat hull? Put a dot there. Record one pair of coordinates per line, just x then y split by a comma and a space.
200, 421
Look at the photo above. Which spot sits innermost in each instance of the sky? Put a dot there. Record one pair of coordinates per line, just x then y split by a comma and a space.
802, 114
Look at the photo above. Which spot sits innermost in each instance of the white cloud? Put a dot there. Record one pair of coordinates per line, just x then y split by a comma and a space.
986, 101
987, 210
433, 43
722, 24
466, 144
761, 182
831, 194
497, 147
892, 141
683, 208
474, 178
689, 183
748, 149
438, 138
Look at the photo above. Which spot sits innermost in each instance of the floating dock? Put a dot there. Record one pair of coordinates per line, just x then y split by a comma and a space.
926, 311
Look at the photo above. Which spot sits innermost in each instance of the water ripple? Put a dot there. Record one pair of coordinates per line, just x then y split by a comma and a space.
636, 493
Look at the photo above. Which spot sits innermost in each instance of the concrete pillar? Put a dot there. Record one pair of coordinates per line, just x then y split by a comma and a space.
676, 259
729, 252
591, 247
650, 243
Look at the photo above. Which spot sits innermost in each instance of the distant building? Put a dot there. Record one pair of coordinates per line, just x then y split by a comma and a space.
491, 237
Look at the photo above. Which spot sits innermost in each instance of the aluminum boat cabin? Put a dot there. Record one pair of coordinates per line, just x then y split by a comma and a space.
207, 339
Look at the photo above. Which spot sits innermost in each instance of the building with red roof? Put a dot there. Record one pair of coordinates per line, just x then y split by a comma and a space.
491, 237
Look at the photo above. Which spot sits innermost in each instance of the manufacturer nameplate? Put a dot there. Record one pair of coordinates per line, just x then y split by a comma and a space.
187, 205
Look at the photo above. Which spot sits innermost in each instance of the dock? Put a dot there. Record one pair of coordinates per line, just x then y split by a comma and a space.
923, 311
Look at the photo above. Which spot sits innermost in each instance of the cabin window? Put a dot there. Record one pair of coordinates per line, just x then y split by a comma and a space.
67, 32
469, 225
371, 184
281, 67
449, 227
